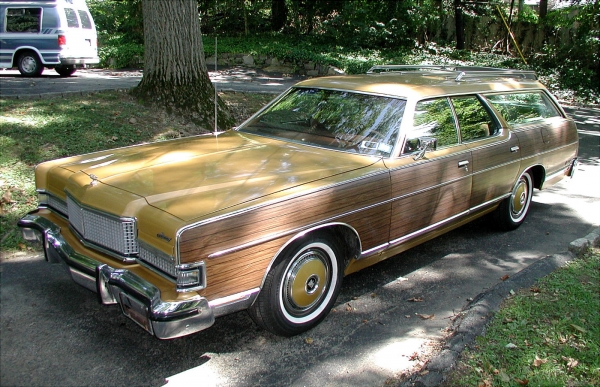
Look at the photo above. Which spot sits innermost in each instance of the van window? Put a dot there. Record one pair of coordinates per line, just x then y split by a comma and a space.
23, 19
86, 22
72, 21
524, 108
50, 19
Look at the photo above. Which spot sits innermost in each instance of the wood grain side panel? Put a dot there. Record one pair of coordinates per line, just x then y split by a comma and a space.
239, 271
419, 211
283, 217
530, 141
426, 174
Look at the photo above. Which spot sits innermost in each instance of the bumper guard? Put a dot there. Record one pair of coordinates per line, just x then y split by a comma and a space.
139, 299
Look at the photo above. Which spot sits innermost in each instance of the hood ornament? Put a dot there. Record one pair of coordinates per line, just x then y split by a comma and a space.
94, 180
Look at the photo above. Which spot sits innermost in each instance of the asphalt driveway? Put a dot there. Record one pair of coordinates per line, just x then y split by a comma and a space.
53, 332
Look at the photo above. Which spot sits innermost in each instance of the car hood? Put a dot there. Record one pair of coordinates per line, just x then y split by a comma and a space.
193, 177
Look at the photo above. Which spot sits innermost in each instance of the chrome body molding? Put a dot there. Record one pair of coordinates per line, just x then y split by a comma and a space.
233, 303
139, 299
398, 241
272, 202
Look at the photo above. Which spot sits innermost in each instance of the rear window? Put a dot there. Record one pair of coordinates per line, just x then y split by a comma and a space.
524, 108
86, 21
72, 21
23, 19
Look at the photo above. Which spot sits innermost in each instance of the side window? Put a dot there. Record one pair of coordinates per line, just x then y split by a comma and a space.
23, 19
50, 18
524, 108
433, 118
86, 22
72, 21
473, 119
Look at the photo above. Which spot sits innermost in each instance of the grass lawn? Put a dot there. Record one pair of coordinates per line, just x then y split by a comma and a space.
547, 335
32, 131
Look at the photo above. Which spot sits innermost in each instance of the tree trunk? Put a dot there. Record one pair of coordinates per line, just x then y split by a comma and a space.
460, 25
175, 75
278, 14
543, 8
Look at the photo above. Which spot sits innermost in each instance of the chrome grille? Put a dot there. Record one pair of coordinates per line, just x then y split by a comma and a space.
158, 259
57, 204
114, 233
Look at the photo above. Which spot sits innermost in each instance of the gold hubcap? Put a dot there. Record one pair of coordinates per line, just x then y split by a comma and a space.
306, 282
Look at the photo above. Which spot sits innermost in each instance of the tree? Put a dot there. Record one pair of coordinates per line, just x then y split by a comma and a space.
278, 14
175, 74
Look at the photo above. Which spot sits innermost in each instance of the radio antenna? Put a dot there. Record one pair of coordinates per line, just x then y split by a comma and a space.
216, 96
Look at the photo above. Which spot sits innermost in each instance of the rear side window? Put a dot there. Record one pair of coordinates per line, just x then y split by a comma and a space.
72, 21
433, 118
86, 21
524, 108
23, 19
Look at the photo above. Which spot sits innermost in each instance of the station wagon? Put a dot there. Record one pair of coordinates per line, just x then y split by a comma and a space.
336, 174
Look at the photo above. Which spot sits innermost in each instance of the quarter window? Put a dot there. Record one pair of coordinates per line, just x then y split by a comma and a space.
23, 19
473, 119
524, 108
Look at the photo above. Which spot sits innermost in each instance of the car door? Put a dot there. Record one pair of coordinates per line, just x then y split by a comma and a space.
495, 150
432, 188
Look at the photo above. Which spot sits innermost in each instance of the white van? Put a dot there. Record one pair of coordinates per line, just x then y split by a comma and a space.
58, 34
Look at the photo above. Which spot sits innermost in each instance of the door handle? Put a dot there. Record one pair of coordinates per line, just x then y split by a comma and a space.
514, 148
463, 163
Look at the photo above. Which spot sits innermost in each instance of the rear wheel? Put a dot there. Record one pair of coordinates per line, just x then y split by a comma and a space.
65, 71
29, 64
300, 288
512, 211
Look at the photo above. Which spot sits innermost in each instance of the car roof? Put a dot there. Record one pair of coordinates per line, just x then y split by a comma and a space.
429, 81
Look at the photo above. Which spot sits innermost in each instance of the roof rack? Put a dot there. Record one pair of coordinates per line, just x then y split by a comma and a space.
461, 72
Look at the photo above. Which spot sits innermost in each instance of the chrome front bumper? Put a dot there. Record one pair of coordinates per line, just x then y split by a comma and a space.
139, 299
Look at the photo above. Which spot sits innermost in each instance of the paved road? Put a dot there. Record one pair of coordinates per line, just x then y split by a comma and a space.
87, 80
53, 332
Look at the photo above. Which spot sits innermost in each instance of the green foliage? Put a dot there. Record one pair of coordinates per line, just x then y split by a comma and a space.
547, 335
121, 55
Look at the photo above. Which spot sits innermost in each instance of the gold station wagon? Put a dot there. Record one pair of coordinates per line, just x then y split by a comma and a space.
334, 175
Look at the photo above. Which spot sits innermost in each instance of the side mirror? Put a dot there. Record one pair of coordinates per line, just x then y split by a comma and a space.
425, 144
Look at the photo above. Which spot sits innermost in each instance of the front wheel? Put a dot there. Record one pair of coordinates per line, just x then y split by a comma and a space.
511, 213
29, 64
300, 288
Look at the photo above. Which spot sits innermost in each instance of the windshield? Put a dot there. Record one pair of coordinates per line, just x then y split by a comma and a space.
353, 122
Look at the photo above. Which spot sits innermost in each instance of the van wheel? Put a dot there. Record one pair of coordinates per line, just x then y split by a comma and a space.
29, 64
65, 71
300, 288
511, 213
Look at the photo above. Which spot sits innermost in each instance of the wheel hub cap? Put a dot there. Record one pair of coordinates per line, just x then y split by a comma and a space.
305, 282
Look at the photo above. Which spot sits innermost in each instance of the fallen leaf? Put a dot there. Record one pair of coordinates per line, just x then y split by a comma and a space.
523, 382
504, 376
416, 299
7, 197
425, 316
308, 340
114, 138
535, 289
414, 356
538, 362
511, 346
505, 277
484, 383
22, 246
